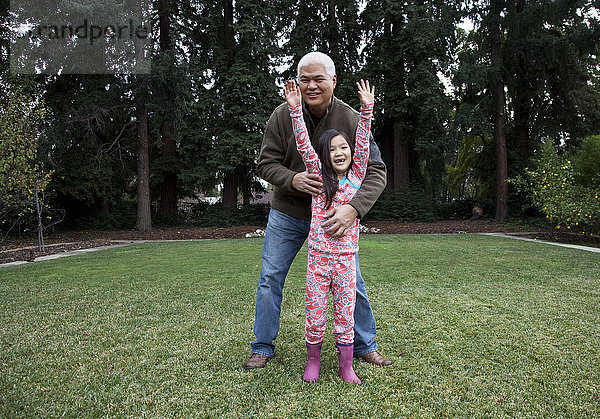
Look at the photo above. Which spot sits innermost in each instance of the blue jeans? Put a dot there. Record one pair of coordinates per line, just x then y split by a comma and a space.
284, 237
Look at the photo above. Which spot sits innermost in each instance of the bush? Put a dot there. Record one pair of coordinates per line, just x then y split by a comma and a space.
412, 204
557, 190
17, 220
459, 209
586, 162
122, 216
206, 215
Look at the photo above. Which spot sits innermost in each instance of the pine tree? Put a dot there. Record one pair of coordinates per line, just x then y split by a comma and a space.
498, 108
144, 218
235, 51
537, 57
408, 45
331, 27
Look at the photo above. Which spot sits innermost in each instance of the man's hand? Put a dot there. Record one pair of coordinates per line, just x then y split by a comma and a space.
340, 219
308, 182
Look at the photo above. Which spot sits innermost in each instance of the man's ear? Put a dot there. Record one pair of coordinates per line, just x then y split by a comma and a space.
334, 80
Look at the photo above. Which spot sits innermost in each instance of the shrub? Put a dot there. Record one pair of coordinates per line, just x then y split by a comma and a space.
459, 209
122, 216
205, 215
557, 190
412, 204
586, 162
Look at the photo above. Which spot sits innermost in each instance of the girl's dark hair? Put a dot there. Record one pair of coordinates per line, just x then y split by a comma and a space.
322, 147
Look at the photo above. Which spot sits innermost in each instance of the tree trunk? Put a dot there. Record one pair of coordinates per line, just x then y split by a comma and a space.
522, 104
143, 221
40, 228
245, 185
230, 191
104, 206
144, 218
228, 38
168, 191
401, 160
499, 113
164, 25
230, 181
333, 29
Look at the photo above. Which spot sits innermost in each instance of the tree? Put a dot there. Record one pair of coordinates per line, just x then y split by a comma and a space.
499, 109
565, 186
234, 47
21, 174
408, 45
143, 219
165, 92
332, 27
144, 207
92, 143
537, 58
549, 51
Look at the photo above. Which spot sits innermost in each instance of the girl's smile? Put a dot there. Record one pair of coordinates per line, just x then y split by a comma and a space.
341, 155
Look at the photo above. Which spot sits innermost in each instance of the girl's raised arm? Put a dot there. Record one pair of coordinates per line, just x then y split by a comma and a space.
366, 93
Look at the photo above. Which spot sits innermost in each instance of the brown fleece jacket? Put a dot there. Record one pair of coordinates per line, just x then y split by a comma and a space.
279, 160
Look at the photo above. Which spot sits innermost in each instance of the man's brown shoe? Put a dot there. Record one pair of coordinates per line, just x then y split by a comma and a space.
376, 358
256, 361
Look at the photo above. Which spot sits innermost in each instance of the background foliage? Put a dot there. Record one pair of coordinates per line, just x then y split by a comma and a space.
216, 68
22, 176
566, 186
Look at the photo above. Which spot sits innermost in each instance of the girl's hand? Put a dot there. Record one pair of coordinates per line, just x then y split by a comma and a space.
291, 93
365, 92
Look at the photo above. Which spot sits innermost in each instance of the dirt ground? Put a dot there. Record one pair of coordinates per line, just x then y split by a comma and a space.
26, 249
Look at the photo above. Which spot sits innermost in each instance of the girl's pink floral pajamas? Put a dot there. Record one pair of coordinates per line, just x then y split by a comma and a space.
331, 261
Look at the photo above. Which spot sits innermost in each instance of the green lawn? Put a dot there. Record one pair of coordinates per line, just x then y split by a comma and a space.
475, 325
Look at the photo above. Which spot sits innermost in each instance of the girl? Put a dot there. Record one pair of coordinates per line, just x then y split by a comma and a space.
331, 261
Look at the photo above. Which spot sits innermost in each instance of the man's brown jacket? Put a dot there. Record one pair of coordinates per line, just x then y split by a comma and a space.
279, 160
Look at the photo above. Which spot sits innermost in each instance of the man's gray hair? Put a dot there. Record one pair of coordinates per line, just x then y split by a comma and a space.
317, 57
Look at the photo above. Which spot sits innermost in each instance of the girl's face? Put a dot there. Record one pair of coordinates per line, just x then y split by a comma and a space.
341, 155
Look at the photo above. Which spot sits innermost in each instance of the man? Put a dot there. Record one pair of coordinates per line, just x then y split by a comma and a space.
289, 219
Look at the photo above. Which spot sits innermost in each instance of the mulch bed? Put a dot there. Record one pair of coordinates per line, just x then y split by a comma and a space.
25, 249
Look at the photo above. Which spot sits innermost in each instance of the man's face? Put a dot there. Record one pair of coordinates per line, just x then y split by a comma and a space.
316, 87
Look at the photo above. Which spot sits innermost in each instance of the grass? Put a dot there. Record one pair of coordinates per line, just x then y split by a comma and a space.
475, 325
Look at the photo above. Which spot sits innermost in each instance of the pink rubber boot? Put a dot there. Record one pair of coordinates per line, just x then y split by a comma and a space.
313, 365
345, 355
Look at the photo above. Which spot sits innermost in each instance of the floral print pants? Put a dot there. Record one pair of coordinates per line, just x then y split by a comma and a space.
337, 272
